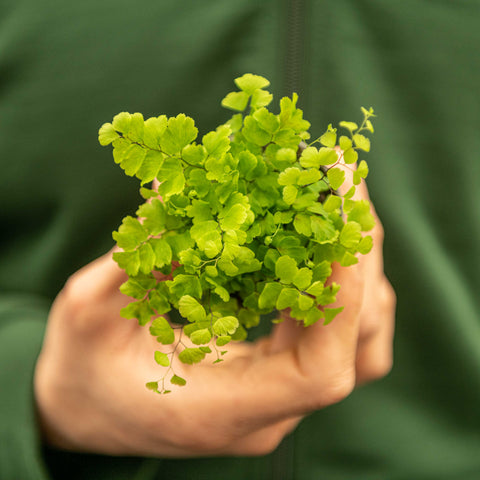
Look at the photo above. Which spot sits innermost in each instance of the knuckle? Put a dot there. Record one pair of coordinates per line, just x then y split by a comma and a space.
265, 447
378, 233
378, 368
77, 307
333, 390
72, 294
260, 445
340, 387
390, 297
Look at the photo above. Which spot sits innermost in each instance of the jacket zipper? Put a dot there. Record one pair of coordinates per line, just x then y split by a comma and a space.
282, 466
295, 48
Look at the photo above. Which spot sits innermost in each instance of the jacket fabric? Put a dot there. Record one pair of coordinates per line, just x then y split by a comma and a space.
68, 67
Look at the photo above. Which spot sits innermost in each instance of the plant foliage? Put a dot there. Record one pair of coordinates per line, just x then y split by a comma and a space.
251, 214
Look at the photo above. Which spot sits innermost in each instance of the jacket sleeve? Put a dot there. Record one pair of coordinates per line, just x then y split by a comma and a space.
22, 324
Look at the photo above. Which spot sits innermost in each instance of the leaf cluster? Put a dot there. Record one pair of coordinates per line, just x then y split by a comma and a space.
251, 213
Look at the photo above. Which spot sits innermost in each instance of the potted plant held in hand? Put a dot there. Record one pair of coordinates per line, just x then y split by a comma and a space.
253, 214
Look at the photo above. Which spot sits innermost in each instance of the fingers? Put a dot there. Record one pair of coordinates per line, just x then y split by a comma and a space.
374, 351
375, 346
97, 279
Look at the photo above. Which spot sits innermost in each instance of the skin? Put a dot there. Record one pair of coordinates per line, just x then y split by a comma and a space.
90, 376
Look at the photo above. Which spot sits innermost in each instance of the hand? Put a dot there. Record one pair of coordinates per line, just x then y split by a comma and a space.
90, 377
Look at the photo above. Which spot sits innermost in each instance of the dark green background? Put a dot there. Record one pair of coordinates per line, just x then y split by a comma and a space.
67, 67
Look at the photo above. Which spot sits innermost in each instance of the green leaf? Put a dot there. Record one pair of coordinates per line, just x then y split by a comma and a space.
260, 98
287, 138
191, 355
350, 193
288, 155
162, 252
304, 302
315, 289
217, 143
329, 138
133, 159
249, 83
269, 295
312, 316
139, 310
150, 166
207, 237
308, 177
362, 142
225, 326
331, 313
247, 161
202, 336
153, 129
137, 287
332, 203
361, 214
200, 211
130, 234
289, 176
350, 235
194, 154
128, 261
161, 329
362, 169
350, 156
159, 302
162, 359
172, 180
327, 156
153, 213
302, 224
310, 158
348, 260
180, 132
287, 298
233, 218
321, 272
191, 309
286, 269
185, 285
303, 278
136, 128
176, 380
351, 126
336, 177
236, 101
146, 257
152, 386
357, 179
267, 120
283, 217
345, 143
148, 193
289, 194
247, 318
324, 231
121, 122
365, 245
223, 340
328, 295
107, 134
254, 133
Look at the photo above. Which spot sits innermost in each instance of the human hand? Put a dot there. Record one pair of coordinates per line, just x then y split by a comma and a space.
89, 380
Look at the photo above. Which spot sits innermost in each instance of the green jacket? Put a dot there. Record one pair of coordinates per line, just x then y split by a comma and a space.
67, 67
